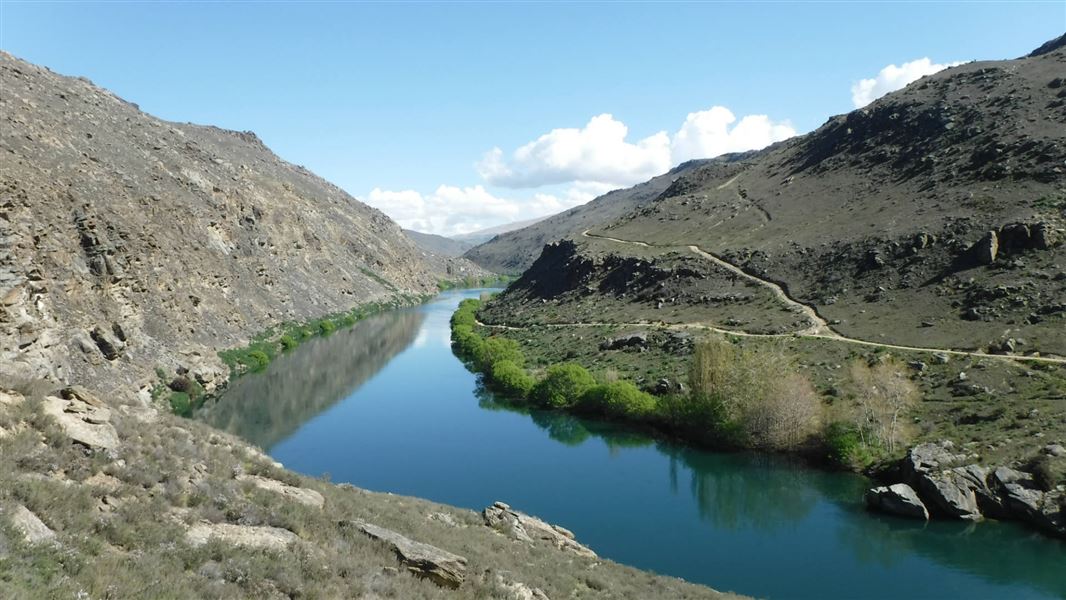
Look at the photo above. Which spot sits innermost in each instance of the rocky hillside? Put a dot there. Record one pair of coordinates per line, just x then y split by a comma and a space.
129, 243
438, 244
935, 217
514, 251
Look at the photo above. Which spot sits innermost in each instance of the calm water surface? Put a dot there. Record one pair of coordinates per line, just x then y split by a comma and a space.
386, 406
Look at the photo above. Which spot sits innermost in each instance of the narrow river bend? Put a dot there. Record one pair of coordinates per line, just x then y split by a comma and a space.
386, 406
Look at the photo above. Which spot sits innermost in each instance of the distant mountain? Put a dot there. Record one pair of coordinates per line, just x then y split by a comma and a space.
438, 244
515, 250
483, 235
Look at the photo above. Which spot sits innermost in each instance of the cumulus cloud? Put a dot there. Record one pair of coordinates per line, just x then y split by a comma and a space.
707, 133
452, 210
599, 152
892, 78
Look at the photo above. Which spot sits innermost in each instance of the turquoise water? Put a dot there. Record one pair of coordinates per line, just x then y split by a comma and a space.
386, 406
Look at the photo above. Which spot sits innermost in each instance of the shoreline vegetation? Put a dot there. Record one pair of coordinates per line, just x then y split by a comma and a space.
474, 282
184, 395
736, 398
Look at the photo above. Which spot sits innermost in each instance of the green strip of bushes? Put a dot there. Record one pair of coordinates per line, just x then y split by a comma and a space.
474, 282
564, 386
738, 397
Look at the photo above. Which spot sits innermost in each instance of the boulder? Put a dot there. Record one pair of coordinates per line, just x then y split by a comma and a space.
32, 529
898, 499
267, 538
85, 423
439, 566
986, 249
522, 527
950, 493
109, 346
629, 340
1025, 501
1055, 450
924, 459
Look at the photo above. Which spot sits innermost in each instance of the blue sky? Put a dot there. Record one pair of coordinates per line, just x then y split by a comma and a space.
406, 98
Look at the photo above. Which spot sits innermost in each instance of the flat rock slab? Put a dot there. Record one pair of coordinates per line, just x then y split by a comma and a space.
440, 566
33, 530
299, 494
267, 538
82, 422
524, 528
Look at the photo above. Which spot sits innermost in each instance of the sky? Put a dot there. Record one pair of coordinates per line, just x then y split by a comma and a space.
452, 117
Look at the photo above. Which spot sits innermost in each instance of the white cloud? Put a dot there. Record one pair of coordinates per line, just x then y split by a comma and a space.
453, 210
892, 78
599, 153
706, 134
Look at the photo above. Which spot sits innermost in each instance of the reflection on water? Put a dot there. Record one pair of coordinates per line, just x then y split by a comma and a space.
265, 408
752, 523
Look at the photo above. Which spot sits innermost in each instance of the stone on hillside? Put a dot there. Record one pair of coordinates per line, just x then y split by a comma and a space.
33, 530
1055, 450
630, 340
82, 422
522, 527
439, 566
267, 538
986, 249
109, 346
10, 398
927, 458
515, 590
301, 495
899, 499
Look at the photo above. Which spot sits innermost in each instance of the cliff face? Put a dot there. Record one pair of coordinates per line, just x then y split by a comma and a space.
129, 243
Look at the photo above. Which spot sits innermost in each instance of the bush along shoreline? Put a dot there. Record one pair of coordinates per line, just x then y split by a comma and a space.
183, 394
756, 398
474, 282
736, 398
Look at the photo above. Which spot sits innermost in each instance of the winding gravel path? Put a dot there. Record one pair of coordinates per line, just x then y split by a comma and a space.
819, 328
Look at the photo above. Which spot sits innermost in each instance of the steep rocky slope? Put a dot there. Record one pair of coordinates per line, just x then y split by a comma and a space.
934, 217
438, 244
129, 243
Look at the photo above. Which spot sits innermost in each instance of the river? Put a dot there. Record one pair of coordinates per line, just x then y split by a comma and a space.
386, 406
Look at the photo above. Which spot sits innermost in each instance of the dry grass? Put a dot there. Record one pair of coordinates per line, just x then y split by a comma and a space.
128, 542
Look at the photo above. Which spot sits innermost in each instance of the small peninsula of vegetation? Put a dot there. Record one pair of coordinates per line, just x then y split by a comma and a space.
736, 397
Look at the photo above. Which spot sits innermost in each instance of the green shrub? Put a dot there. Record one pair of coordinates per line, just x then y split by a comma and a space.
496, 349
618, 400
326, 327
511, 380
259, 359
843, 443
563, 386
181, 404
288, 342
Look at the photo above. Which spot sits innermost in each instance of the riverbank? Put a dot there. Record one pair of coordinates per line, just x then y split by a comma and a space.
386, 405
858, 425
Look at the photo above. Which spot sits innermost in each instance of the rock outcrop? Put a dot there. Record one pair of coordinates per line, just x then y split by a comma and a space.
85, 422
937, 483
524, 528
30, 526
297, 494
266, 538
440, 566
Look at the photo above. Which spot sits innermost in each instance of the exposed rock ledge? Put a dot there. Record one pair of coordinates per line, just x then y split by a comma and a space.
524, 528
938, 482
